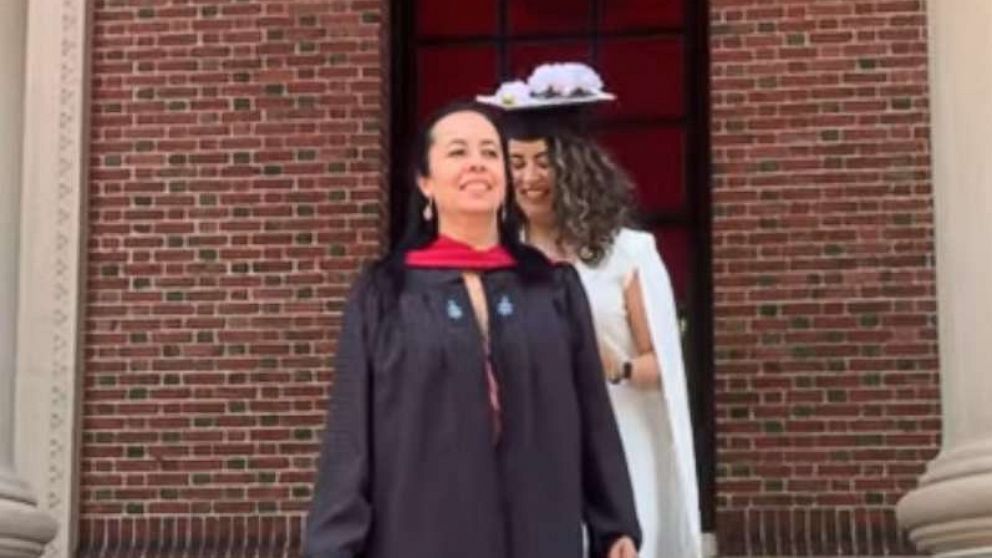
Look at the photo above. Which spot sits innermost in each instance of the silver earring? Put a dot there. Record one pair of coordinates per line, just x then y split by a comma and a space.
429, 210
502, 212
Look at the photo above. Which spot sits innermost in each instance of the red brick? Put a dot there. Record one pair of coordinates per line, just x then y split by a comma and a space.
175, 232
825, 134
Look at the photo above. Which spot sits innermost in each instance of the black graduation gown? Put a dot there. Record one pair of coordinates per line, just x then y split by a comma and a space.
409, 468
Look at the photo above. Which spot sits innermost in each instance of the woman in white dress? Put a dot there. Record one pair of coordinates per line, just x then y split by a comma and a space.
577, 202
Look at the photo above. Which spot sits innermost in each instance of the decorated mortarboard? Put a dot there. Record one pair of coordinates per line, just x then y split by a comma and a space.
555, 99
556, 85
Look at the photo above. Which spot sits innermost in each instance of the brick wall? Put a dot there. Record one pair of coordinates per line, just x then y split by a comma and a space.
236, 183
826, 359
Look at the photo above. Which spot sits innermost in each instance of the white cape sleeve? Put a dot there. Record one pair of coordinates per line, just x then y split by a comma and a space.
659, 302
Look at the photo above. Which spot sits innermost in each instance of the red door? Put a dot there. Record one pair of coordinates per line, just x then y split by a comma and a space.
651, 53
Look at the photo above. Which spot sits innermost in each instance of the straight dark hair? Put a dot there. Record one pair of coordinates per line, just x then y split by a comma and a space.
419, 233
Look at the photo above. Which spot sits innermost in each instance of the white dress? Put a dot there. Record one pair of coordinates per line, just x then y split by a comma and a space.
654, 425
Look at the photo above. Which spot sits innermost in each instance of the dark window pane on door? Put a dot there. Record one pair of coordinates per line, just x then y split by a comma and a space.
525, 57
673, 245
640, 14
455, 49
450, 18
530, 17
653, 157
453, 73
646, 74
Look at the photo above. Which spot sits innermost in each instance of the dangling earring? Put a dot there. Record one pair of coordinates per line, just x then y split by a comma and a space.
502, 212
429, 210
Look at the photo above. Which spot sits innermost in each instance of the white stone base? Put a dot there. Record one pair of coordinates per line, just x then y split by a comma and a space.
24, 530
709, 545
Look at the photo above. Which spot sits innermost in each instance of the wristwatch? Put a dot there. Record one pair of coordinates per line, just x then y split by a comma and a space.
626, 371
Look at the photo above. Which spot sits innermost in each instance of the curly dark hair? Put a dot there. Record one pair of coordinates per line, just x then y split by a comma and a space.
593, 195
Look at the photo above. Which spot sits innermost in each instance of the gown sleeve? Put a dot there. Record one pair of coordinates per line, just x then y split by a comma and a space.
659, 302
340, 513
608, 500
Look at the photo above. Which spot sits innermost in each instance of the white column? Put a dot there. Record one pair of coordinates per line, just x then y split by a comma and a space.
950, 514
23, 529
52, 270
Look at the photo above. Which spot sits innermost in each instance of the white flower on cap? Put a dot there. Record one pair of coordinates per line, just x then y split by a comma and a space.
513, 93
587, 80
564, 80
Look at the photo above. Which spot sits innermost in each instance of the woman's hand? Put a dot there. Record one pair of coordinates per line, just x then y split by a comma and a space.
645, 372
623, 548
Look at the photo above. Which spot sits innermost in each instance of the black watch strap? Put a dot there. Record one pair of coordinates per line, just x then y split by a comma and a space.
627, 370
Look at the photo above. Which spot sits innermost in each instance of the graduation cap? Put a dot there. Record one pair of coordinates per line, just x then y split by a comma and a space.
555, 99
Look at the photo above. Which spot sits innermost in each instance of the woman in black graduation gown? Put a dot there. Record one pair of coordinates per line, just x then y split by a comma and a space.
468, 416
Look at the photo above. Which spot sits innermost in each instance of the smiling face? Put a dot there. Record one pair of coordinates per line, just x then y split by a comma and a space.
466, 175
533, 179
